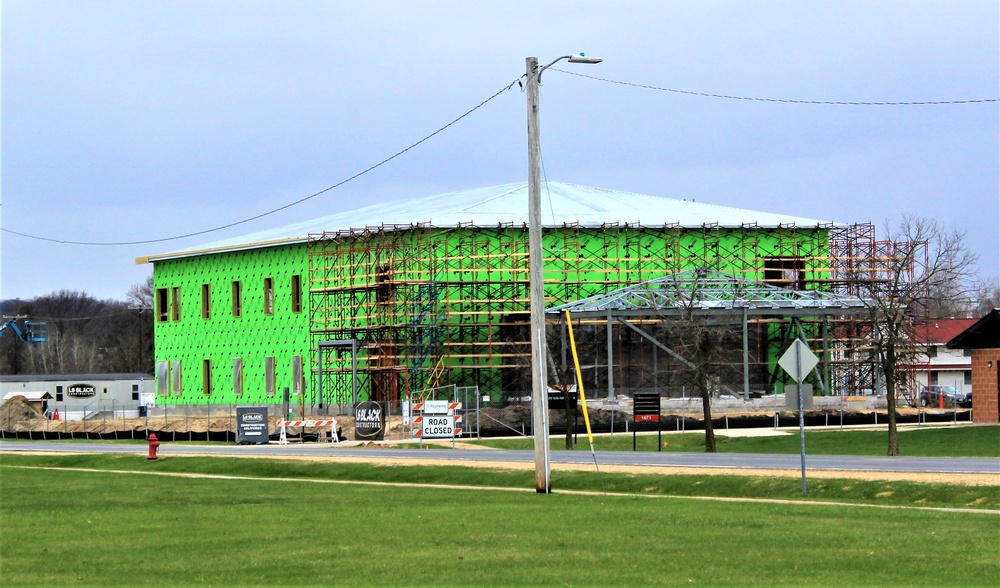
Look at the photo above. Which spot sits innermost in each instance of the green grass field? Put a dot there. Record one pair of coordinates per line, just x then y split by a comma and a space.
964, 441
105, 528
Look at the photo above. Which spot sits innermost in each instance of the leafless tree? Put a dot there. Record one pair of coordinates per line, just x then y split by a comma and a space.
987, 296
141, 294
700, 341
921, 257
85, 335
11, 360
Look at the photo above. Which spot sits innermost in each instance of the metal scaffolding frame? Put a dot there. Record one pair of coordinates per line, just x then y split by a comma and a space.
434, 306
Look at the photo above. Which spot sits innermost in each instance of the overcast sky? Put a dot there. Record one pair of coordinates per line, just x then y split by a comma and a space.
129, 121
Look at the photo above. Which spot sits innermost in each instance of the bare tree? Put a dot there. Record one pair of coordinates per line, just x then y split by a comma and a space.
700, 341
11, 348
920, 257
141, 294
987, 296
85, 335
73, 319
943, 303
136, 342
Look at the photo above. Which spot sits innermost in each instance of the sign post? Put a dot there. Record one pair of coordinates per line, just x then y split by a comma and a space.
646, 408
438, 420
567, 401
797, 362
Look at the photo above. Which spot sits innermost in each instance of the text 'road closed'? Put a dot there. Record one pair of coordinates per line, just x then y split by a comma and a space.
438, 426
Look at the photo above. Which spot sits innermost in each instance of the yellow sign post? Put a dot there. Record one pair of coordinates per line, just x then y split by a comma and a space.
579, 387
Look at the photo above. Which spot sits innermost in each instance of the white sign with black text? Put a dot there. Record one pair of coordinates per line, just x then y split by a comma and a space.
436, 407
438, 427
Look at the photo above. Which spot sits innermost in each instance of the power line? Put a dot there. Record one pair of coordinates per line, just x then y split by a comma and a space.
280, 208
467, 113
78, 318
782, 100
33, 317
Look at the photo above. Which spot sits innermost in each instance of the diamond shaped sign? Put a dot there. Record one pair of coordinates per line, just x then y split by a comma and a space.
807, 360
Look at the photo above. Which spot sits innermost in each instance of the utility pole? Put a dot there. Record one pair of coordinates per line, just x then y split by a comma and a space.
536, 289
539, 385
142, 343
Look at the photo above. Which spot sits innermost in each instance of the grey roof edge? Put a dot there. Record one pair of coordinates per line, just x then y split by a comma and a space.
145, 259
75, 377
142, 260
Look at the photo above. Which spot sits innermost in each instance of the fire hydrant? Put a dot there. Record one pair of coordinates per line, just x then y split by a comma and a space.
153, 444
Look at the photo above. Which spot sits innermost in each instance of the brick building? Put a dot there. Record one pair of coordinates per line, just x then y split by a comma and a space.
983, 338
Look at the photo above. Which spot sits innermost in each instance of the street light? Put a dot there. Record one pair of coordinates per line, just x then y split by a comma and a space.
539, 386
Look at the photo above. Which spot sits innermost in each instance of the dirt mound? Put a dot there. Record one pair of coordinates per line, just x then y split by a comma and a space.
17, 412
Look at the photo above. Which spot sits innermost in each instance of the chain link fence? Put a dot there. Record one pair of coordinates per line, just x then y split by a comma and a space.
481, 417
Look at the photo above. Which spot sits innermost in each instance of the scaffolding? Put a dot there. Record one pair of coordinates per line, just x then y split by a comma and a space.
859, 262
433, 306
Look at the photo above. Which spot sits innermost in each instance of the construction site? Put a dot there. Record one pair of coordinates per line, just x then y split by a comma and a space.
393, 309
436, 306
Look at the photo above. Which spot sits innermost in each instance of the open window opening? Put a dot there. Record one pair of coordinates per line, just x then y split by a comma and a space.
786, 272
296, 293
175, 304
269, 375
206, 377
162, 307
237, 299
268, 295
206, 301
237, 376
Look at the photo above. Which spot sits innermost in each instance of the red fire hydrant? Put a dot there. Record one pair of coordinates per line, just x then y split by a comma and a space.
153, 444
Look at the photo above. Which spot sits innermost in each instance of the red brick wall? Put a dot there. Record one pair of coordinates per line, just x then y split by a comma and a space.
984, 385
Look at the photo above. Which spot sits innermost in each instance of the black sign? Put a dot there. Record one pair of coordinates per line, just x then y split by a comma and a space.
646, 406
251, 424
557, 400
81, 391
369, 422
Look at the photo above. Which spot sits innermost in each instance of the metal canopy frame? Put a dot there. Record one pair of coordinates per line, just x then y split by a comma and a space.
708, 293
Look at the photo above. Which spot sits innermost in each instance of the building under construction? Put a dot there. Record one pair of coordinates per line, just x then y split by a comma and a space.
398, 297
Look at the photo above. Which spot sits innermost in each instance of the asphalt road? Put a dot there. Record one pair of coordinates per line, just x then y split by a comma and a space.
626, 458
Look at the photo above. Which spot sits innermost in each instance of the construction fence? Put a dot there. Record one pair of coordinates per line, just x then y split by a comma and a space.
480, 418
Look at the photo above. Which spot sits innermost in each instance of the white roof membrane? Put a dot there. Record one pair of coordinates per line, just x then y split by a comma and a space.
508, 203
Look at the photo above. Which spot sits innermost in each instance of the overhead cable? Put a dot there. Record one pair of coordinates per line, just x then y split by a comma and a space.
782, 100
280, 208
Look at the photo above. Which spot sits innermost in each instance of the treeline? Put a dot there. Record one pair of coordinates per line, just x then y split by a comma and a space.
85, 335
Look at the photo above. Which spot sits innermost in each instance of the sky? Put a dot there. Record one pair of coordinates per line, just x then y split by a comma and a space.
130, 121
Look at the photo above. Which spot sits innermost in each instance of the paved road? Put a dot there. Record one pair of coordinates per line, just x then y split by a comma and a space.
703, 460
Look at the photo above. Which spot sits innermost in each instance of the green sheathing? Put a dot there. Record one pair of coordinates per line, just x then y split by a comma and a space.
450, 306
431, 306
223, 337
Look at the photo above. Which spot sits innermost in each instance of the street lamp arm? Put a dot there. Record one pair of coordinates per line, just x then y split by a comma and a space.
551, 63
577, 58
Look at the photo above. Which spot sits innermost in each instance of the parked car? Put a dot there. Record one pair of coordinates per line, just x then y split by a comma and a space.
931, 396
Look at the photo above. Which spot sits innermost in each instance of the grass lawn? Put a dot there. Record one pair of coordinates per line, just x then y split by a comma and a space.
964, 441
103, 528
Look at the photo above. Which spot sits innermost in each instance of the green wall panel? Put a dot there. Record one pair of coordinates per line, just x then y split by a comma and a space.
251, 337
484, 273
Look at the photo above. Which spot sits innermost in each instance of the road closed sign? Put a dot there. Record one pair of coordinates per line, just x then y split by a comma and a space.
437, 427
